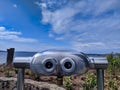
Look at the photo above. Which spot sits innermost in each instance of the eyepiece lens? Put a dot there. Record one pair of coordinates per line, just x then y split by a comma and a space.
48, 65
68, 65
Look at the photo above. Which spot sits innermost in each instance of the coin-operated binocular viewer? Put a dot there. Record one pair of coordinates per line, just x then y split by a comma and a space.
60, 63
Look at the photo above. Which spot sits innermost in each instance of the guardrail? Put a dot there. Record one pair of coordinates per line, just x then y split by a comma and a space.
60, 63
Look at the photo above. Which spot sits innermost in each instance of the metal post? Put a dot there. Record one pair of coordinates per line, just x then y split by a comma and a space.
20, 79
59, 80
100, 79
10, 54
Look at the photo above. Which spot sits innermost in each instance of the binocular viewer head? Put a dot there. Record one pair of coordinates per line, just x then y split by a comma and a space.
59, 62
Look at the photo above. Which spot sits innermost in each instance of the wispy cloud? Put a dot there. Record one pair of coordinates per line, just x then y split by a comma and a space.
86, 23
15, 5
13, 36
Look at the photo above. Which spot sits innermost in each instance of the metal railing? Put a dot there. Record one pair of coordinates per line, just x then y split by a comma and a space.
60, 63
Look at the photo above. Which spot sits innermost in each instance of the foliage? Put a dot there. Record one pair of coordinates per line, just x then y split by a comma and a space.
113, 84
90, 82
1, 69
113, 64
8, 74
35, 77
113, 71
28, 72
68, 83
15, 70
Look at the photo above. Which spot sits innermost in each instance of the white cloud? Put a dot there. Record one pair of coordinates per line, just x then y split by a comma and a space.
62, 19
15, 5
41, 5
51, 35
13, 36
38, 46
86, 22
89, 46
59, 38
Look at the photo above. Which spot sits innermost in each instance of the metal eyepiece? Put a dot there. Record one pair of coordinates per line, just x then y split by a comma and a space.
49, 64
67, 65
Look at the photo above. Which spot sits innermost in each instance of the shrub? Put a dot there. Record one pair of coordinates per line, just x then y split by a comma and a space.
8, 74
90, 82
15, 70
27, 72
113, 64
67, 83
113, 84
2, 69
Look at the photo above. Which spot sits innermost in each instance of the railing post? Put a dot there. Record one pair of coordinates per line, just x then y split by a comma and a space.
20, 79
100, 79
59, 80
10, 54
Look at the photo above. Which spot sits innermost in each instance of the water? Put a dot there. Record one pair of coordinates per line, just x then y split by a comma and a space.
3, 55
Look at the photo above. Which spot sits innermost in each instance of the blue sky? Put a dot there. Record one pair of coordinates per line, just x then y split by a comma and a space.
90, 26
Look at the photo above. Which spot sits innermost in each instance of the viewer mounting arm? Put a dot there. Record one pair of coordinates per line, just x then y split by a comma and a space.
60, 62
